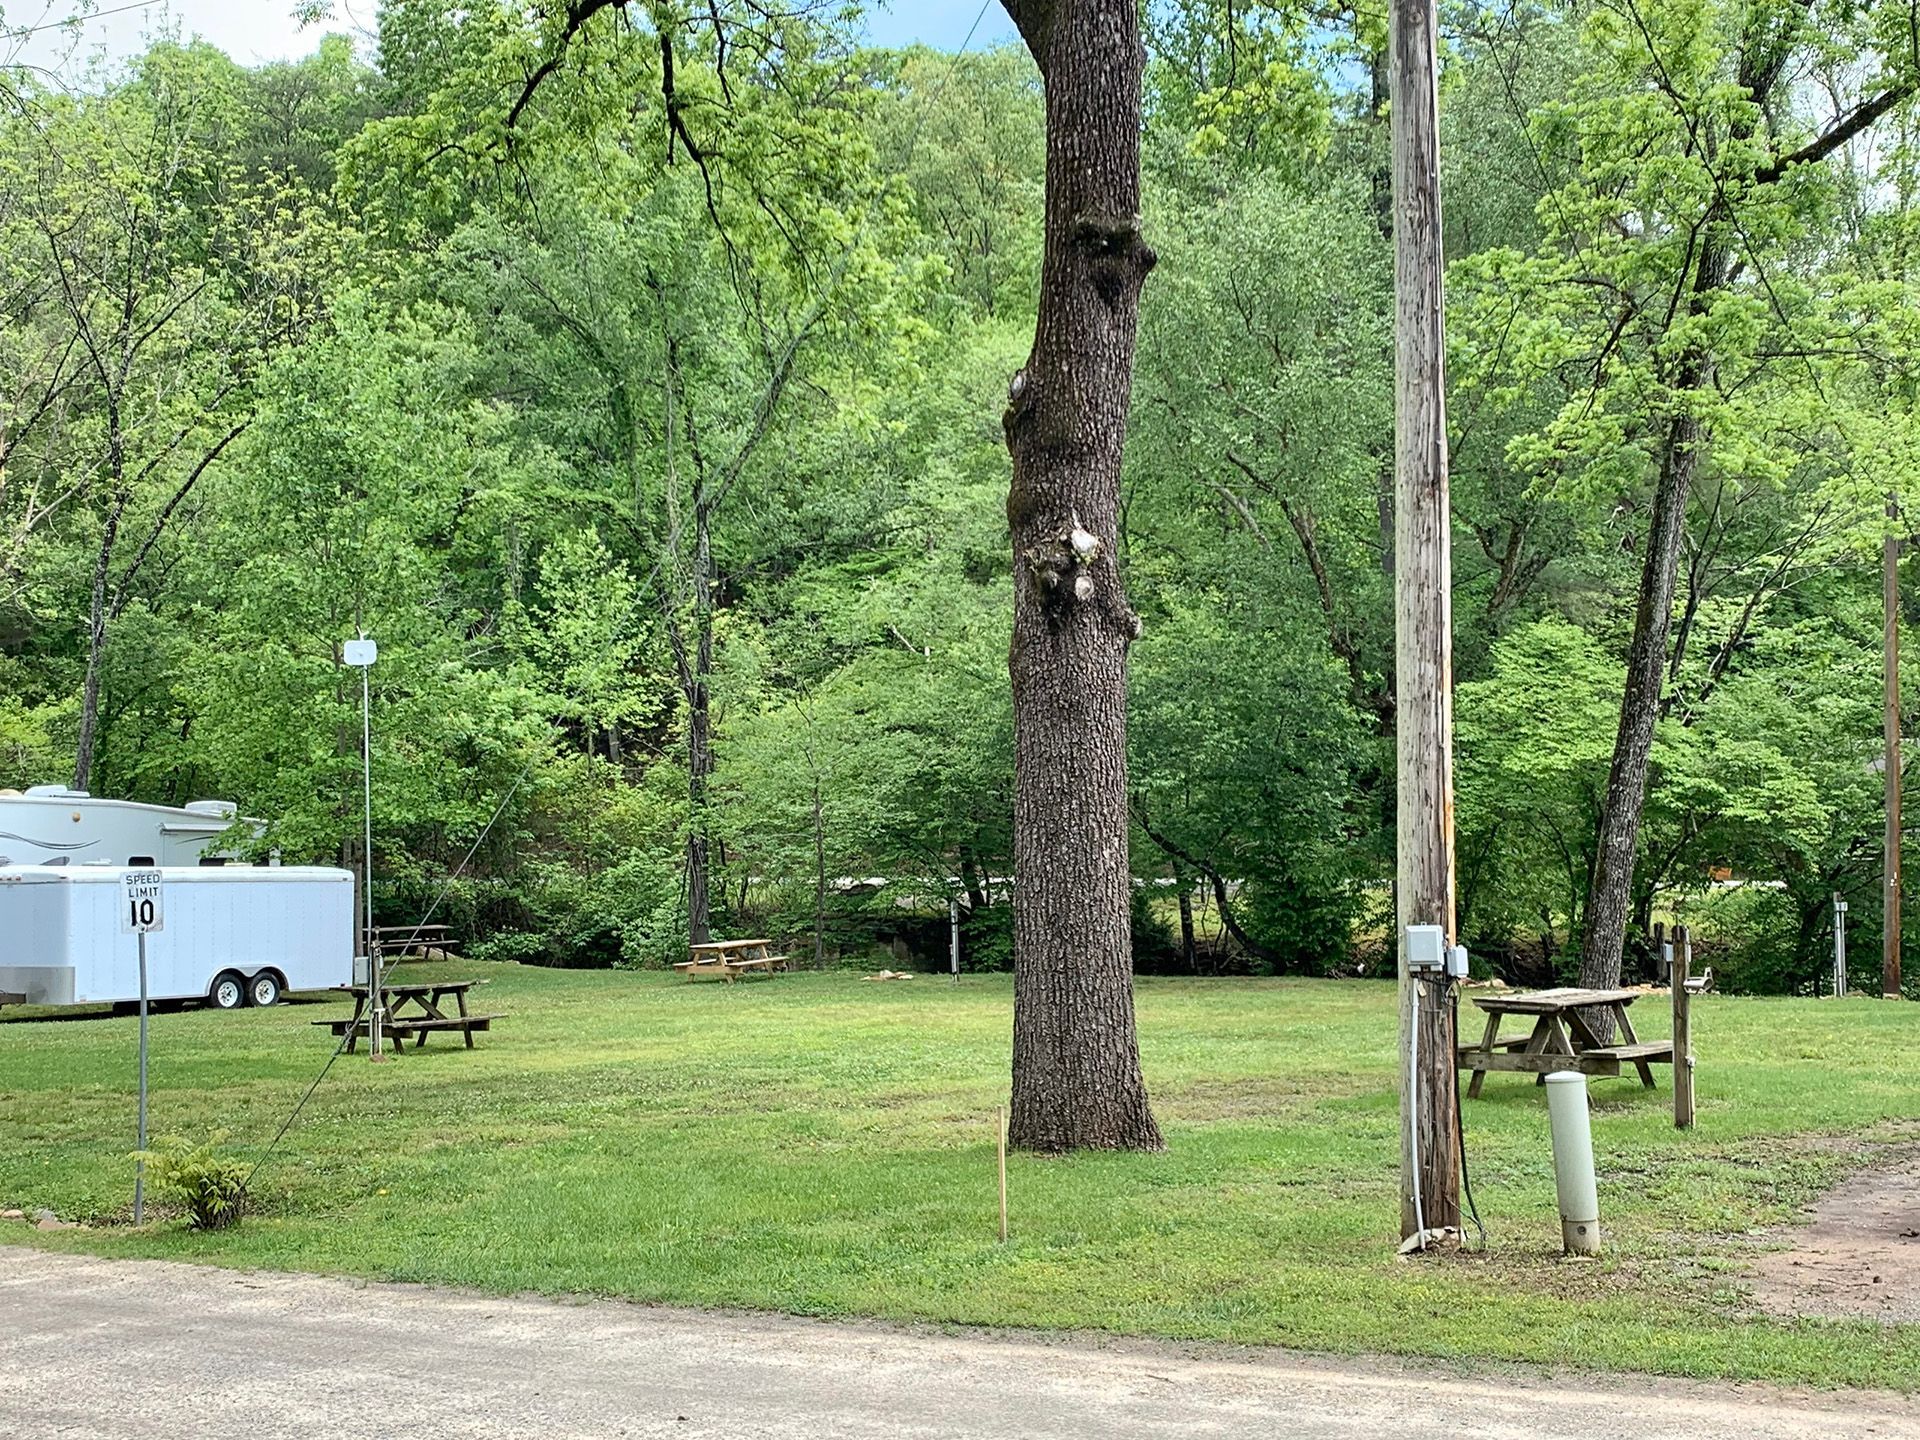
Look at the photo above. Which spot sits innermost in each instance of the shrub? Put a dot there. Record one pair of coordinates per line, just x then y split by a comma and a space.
211, 1184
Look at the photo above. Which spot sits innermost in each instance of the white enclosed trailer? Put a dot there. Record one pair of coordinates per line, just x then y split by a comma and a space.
51, 824
234, 935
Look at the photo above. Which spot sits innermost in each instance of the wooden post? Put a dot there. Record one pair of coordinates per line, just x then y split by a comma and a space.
1682, 1029
1423, 614
1003, 1177
1890, 600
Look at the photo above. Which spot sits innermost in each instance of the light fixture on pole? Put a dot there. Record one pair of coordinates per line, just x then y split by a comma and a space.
361, 653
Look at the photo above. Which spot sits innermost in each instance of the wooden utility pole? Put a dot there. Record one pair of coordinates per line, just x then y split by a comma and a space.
1890, 600
1423, 614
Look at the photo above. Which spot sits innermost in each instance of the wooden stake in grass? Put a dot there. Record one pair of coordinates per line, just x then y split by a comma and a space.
1003, 1175
1678, 977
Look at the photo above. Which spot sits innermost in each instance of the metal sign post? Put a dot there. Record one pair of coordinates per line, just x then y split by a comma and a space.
1839, 947
143, 909
361, 654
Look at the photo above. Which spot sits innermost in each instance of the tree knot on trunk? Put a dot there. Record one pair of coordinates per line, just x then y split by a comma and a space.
1020, 398
1070, 567
1117, 257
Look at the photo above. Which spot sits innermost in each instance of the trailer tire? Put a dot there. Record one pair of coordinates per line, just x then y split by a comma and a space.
264, 989
228, 991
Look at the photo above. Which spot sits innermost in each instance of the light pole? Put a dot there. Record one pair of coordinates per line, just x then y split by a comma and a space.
361, 653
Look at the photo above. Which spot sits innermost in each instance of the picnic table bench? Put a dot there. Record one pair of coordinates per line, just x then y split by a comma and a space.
1561, 1038
414, 1010
730, 958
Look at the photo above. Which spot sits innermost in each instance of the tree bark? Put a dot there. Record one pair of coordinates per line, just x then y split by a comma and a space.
1891, 775
1610, 897
699, 726
819, 881
1765, 53
84, 742
1189, 952
1077, 1081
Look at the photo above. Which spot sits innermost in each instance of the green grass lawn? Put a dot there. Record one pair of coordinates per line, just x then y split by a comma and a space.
815, 1144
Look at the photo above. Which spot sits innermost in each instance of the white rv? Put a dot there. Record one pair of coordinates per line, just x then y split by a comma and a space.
50, 824
233, 935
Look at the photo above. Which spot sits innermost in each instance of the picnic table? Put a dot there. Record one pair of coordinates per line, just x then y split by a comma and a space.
427, 942
730, 958
1561, 1038
415, 1010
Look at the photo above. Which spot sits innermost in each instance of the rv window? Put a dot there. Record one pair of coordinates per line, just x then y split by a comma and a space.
213, 859
146, 860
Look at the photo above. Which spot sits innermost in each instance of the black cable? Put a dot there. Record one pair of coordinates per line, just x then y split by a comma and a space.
287, 1124
348, 1035
1460, 1129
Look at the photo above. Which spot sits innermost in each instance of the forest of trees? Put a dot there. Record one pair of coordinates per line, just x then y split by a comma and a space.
637, 374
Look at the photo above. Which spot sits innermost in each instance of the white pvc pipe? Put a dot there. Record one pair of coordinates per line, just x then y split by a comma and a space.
1573, 1162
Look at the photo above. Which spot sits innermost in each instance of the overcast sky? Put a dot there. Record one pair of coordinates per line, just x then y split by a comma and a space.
256, 30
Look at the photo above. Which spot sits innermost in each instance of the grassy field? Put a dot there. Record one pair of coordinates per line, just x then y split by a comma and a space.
819, 1145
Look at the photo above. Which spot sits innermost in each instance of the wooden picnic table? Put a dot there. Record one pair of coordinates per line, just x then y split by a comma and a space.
730, 958
413, 1009
428, 941
1561, 1038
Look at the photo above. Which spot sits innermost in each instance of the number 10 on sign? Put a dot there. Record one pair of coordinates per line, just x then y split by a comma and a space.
141, 910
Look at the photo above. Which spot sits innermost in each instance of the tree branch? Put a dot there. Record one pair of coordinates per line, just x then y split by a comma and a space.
1844, 129
166, 513
578, 13
1033, 19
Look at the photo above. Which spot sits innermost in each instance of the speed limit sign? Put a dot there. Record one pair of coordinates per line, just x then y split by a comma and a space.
141, 907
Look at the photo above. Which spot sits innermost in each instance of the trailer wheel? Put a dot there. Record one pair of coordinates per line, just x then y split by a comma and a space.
264, 989
229, 991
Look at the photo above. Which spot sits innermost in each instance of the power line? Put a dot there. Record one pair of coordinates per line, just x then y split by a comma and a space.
72, 20
373, 979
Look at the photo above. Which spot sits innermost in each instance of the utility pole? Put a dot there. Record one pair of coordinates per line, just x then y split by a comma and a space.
1890, 600
1423, 616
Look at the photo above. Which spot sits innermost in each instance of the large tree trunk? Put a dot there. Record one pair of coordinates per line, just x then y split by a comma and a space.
699, 726
85, 741
1765, 51
1189, 952
1610, 897
1076, 1061
819, 881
